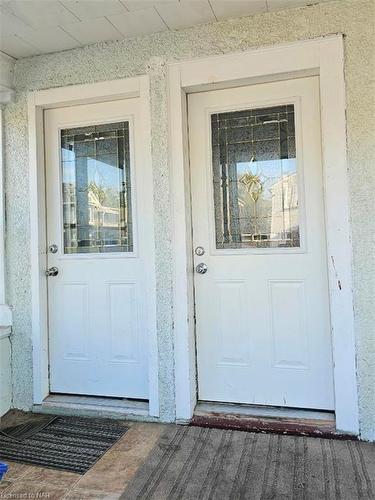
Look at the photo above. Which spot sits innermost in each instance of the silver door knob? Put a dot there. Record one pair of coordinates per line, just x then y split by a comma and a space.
52, 271
201, 268
53, 248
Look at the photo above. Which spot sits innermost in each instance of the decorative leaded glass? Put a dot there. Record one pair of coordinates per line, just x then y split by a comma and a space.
96, 187
255, 178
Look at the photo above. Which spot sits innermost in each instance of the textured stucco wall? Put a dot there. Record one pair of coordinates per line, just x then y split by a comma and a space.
149, 54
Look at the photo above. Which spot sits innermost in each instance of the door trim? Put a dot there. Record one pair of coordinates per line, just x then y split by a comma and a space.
38, 101
323, 57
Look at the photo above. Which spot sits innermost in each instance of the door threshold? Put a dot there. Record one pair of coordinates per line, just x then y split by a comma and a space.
93, 406
255, 418
204, 407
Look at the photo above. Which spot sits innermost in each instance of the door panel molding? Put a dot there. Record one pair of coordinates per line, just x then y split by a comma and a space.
280, 361
323, 57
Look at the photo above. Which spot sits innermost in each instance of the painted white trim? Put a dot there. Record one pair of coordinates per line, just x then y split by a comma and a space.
6, 77
323, 57
6, 319
339, 248
5, 332
5, 311
183, 289
38, 101
90, 92
6, 95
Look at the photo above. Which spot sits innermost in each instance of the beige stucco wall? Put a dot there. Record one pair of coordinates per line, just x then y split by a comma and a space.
149, 54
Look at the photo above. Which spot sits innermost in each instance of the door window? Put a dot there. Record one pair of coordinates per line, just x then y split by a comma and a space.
96, 189
255, 181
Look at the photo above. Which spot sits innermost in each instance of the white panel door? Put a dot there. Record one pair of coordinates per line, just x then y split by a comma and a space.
100, 240
262, 306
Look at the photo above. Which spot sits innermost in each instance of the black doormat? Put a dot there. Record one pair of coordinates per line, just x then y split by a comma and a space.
67, 443
28, 428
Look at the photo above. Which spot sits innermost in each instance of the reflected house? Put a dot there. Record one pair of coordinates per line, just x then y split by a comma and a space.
102, 226
269, 216
285, 224
254, 214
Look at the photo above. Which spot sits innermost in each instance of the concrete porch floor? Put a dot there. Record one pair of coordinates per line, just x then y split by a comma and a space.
106, 480
113, 473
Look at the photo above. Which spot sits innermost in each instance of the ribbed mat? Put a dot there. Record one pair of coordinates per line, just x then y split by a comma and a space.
68, 443
28, 428
191, 463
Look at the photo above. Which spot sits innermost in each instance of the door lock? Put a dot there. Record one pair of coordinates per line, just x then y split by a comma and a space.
199, 251
201, 268
52, 248
52, 271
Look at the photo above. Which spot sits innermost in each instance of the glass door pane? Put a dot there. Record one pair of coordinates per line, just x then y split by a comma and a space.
96, 188
255, 178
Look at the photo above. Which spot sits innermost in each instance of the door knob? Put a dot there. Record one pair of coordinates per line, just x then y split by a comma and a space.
201, 268
53, 248
52, 271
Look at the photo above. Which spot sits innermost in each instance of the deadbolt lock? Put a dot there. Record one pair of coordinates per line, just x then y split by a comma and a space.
199, 251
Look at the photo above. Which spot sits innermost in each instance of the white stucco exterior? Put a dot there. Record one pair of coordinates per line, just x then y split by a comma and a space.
150, 55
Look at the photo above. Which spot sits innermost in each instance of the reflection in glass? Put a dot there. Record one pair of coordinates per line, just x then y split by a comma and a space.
96, 188
255, 178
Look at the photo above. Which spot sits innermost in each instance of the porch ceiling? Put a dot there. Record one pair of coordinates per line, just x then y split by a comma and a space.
31, 27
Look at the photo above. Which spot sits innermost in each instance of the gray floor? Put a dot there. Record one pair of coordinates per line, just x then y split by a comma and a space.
198, 463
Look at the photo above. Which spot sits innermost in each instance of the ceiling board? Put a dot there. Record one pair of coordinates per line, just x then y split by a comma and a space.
91, 9
11, 24
147, 4
138, 22
92, 31
39, 13
16, 47
186, 14
237, 8
50, 39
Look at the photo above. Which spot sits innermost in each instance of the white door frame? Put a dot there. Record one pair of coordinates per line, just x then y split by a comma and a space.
38, 101
323, 57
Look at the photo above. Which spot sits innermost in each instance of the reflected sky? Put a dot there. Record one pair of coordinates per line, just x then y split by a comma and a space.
270, 168
103, 174
269, 171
